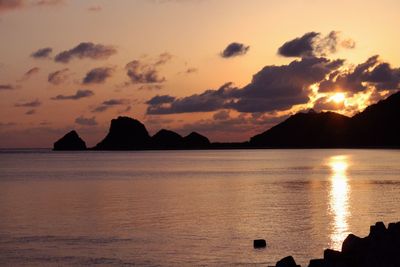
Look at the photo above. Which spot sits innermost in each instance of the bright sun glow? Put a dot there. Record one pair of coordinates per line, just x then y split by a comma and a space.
338, 97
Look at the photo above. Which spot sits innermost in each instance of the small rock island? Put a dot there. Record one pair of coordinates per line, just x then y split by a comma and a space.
70, 141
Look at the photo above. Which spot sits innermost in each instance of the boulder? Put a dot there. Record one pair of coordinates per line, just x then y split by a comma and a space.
259, 243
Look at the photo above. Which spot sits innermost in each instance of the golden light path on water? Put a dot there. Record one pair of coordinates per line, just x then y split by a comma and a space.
339, 200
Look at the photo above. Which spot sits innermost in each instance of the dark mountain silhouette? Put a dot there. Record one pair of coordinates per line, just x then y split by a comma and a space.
377, 126
325, 129
70, 141
125, 134
165, 139
196, 141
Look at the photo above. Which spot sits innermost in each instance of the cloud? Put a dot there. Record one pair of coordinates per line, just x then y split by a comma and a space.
160, 99
6, 87
274, 88
86, 121
314, 44
221, 115
234, 49
95, 8
78, 95
58, 77
86, 50
48, 2
6, 5
31, 104
7, 124
190, 70
42, 53
141, 72
372, 73
30, 73
210, 100
98, 75
109, 104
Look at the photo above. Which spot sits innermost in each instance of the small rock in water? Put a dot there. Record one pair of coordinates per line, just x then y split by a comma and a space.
259, 243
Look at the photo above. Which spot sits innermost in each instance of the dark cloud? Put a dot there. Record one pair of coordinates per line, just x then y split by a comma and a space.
42, 53
274, 88
371, 73
6, 87
160, 99
17, 4
141, 72
109, 104
86, 121
32, 104
163, 58
48, 2
58, 77
30, 112
221, 115
314, 44
78, 95
7, 124
30, 73
150, 87
191, 70
234, 49
98, 75
10, 4
210, 100
86, 50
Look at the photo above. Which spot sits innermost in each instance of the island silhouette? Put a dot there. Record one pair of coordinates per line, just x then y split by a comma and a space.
375, 127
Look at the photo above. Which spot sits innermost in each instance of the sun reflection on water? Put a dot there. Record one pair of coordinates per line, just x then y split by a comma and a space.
339, 200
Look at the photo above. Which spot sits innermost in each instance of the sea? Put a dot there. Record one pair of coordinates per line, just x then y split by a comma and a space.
190, 208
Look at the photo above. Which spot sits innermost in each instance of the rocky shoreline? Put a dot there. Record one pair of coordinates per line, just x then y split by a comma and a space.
381, 248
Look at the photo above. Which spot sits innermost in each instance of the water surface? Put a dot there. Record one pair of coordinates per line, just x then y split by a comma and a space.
185, 208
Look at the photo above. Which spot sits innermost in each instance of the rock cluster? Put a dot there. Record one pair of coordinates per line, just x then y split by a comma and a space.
381, 248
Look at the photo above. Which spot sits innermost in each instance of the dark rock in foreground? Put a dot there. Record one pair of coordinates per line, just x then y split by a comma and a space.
125, 134
287, 262
381, 248
70, 141
259, 243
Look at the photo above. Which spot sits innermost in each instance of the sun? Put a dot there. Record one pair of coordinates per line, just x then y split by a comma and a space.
338, 97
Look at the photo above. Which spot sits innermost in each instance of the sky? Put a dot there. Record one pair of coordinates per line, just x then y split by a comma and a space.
228, 69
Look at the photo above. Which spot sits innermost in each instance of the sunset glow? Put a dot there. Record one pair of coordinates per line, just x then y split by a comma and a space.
69, 64
338, 97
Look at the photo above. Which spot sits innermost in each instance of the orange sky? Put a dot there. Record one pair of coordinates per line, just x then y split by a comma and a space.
134, 50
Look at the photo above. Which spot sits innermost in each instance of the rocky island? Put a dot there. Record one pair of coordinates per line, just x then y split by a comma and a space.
376, 127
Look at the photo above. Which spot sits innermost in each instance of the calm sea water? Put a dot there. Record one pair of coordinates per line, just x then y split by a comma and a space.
189, 208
